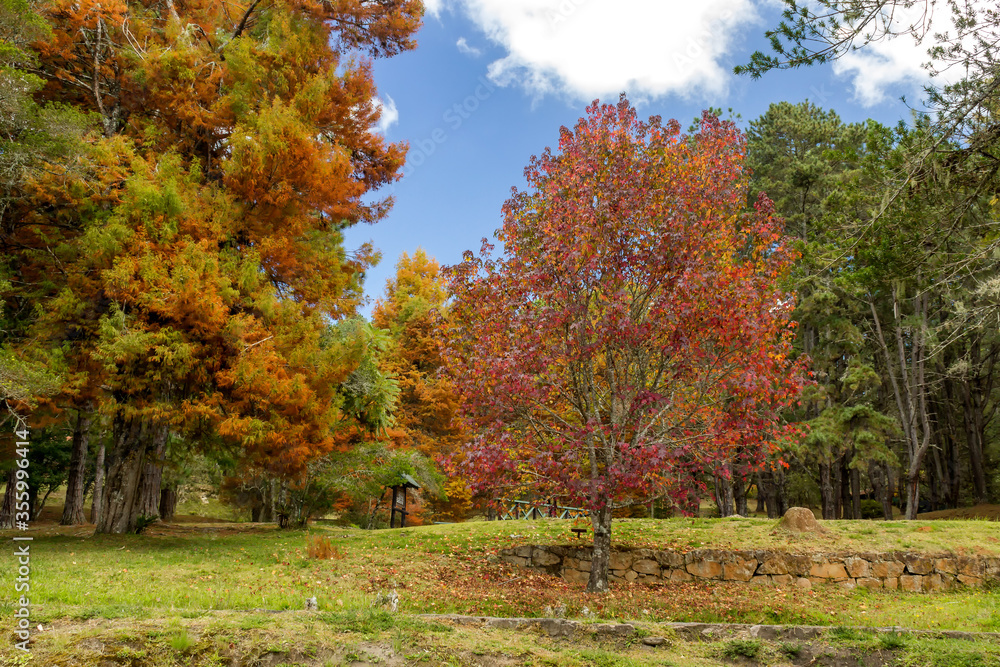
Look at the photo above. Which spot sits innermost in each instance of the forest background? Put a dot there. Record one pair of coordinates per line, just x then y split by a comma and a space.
179, 303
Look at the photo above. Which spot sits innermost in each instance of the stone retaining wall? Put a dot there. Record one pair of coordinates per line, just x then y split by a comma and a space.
896, 570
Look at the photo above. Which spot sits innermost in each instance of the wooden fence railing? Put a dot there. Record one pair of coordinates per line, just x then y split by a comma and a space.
527, 509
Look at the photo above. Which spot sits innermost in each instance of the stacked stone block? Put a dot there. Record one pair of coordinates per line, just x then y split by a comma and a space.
896, 570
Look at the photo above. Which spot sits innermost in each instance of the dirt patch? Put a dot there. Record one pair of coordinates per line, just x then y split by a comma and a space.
990, 512
208, 527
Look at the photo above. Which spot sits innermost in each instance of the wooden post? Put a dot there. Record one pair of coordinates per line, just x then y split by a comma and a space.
392, 512
402, 516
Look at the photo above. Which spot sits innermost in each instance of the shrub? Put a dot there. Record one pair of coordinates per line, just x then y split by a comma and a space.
871, 509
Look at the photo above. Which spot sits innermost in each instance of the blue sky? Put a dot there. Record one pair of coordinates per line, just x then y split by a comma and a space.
492, 81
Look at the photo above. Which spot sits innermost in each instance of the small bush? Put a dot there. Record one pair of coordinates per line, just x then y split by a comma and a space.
321, 548
742, 648
871, 509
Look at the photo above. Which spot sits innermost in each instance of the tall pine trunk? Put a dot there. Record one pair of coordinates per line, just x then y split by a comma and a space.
826, 492
73, 513
944, 407
955, 477
99, 474
972, 413
905, 367
844, 482
878, 475
855, 490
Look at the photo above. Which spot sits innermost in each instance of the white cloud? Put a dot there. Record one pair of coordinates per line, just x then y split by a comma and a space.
433, 7
463, 47
591, 48
895, 65
879, 67
390, 114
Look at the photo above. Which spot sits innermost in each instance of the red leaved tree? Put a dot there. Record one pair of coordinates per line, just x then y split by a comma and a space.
633, 329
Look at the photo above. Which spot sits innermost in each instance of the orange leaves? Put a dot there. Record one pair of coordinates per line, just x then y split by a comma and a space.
278, 167
413, 311
382, 29
196, 246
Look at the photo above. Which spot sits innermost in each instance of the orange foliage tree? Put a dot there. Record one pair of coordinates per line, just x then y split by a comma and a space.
413, 311
193, 258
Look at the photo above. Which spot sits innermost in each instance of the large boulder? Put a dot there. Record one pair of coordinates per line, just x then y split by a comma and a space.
800, 520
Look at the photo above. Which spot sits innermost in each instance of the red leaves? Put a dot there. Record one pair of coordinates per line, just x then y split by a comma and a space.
632, 330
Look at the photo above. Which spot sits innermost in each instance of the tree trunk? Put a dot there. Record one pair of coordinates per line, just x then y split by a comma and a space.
906, 368
601, 555
780, 494
73, 513
901, 490
98, 499
38, 505
724, 493
935, 478
740, 495
271, 504
136, 442
7, 512
878, 475
955, 478
267, 510
855, 491
152, 478
844, 506
769, 492
168, 503
912, 493
761, 500
973, 437
826, 492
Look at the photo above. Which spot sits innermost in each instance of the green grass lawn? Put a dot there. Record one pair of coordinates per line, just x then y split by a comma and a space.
452, 568
180, 573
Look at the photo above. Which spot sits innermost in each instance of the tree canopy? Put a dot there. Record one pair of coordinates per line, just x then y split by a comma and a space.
181, 263
633, 328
